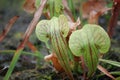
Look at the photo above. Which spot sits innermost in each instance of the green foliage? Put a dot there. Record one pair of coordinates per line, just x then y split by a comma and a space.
117, 64
117, 78
55, 7
56, 30
89, 42
37, 3
44, 27
42, 30
71, 6
58, 6
12, 65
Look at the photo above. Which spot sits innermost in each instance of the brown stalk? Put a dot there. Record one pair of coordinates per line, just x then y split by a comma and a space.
94, 16
55, 62
31, 46
105, 72
114, 17
32, 25
67, 10
8, 27
83, 67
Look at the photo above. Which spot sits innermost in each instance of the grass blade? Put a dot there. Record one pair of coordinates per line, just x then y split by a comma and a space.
117, 64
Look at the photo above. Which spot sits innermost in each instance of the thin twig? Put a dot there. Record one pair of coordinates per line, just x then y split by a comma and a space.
31, 46
105, 72
114, 17
32, 25
67, 10
8, 27
94, 16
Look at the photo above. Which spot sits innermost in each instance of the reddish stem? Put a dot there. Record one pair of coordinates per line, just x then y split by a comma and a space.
8, 27
31, 46
102, 69
32, 25
114, 17
93, 18
83, 67
67, 10
55, 62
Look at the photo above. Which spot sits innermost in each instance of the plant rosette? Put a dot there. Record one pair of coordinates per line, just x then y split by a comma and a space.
89, 42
